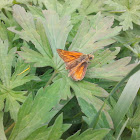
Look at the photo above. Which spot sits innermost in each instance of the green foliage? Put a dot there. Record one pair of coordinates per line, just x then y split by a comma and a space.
37, 111
129, 12
135, 134
2, 135
5, 4
37, 98
91, 6
128, 94
89, 134
54, 132
91, 35
10, 81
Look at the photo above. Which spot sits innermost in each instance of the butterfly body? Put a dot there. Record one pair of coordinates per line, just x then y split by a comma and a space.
76, 63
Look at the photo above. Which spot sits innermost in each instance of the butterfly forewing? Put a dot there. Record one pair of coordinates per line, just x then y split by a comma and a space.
68, 56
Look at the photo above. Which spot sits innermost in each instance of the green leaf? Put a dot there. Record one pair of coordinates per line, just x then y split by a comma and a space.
93, 88
2, 97
90, 134
3, 33
91, 6
57, 130
5, 4
70, 6
54, 132
126, 21
44, 34
6, 59
10, 80
128, 94
12, 105
23, 1
36, 11
90, 104
135, 134
64, 88
65, 8
130, 39
31, 32
134, 121
20, 77
32, 56
12, 102
129, 11
40, 133
123, 125
101, 58
96, 31
40, 111
2, 134
8, 21
88, 94
118, 5
57, 30
54, 5
96, 118
114, 71
90, 111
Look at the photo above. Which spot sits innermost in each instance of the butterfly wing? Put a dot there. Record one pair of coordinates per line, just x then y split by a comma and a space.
78, 72
68, 56
77, 69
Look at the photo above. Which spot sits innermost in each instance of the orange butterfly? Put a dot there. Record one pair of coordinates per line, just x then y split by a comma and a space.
76, 63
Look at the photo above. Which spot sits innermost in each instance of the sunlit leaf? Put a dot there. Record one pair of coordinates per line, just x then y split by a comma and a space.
129, 12
96, 118
102, 58
54, 132
40, 33
90, 104
98, 29
31, 32
128, 94
10, 80
91, 6
134, 121
57, 30
135, 134
62, 8
40, 111
2, 134
5, 4
90, 111
114, 71
89, 134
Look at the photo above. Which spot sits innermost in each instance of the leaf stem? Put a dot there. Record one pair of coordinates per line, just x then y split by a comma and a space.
50, 80
9, 128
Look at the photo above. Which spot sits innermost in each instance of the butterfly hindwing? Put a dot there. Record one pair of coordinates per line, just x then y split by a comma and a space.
78, 72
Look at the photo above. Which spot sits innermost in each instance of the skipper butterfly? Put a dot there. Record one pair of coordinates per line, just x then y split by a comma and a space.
76, 63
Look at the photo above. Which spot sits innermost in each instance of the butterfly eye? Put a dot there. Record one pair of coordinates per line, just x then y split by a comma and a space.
90, 58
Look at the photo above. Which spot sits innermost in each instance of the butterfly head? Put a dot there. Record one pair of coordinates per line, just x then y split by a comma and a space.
90, 56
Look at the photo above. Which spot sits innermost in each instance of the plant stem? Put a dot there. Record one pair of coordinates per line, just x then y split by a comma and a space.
9, 128
50, 80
